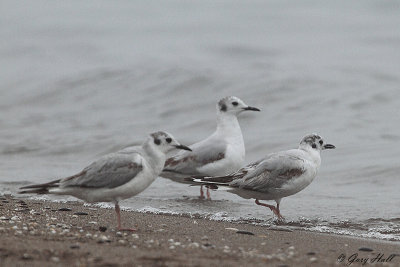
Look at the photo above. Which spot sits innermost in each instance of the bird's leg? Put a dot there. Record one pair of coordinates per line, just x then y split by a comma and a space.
208, 194
201, 192
118, 211
280, 217
274, 209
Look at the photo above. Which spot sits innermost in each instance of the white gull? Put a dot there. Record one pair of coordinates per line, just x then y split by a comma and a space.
221, 153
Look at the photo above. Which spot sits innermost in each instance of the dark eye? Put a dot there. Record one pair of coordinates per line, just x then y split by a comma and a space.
321, 142
314, 146
169, 140
157, 141
235, 103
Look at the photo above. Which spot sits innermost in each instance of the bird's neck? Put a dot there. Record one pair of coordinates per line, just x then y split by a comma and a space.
229, 129
154, 156
315, 155
228, 124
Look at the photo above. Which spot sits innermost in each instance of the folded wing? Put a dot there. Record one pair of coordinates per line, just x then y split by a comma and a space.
188, 163
110, 172
271, 173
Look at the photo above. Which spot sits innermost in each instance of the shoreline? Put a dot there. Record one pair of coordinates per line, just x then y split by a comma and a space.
39, 233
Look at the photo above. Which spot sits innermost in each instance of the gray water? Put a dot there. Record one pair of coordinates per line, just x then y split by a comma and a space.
81, 79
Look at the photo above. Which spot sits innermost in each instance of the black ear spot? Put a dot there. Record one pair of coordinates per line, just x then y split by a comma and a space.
314, 146
157, 141
223, 107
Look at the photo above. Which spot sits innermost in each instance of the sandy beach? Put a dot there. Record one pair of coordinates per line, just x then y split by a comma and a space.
43, 233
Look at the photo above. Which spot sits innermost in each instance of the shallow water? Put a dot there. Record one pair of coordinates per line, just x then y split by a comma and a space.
81, 79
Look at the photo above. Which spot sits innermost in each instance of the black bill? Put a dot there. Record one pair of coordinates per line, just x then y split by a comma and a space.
251, 108
183, 147
329, 146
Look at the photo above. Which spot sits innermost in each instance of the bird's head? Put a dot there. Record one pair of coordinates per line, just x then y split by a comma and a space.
233, 105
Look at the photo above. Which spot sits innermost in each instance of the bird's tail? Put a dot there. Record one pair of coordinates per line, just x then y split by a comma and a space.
39, 188
213, 182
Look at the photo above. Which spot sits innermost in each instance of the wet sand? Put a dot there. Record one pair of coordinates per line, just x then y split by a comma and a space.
42, 233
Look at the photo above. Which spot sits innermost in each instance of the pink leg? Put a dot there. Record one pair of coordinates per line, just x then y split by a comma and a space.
274, 209
118, 211
201, 193
208, 194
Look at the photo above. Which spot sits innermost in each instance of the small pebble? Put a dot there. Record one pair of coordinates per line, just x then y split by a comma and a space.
26, 256
194, 245
280, 228
122, 242
313, 259
81, 213
232, 229
102, 228
103, 239
64, 209
244, 232
365, 249
55, 259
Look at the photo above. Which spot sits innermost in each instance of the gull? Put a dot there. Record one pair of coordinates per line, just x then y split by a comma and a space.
276, 176
221, 153
115, 176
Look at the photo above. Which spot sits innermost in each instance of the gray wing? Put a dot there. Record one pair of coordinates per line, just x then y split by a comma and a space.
272, 172
109, 171
187, 163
